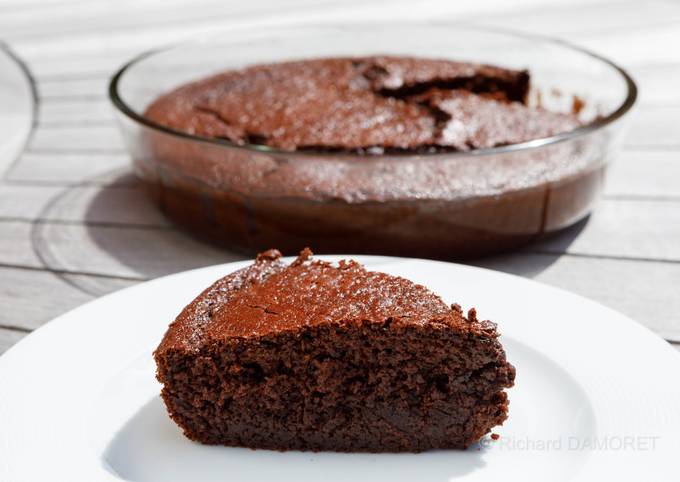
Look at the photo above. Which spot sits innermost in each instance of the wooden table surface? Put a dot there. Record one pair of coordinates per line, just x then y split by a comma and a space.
74, 224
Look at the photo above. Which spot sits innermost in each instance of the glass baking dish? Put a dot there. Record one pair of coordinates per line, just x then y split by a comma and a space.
448, 205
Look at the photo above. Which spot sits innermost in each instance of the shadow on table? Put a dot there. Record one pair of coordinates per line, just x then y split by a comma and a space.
125, 236
146, 243
138, 240
536, 257
149, 447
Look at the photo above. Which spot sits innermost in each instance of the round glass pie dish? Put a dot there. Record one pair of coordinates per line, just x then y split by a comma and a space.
447, 205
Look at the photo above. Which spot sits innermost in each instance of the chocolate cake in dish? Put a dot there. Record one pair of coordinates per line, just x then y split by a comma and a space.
317, 356
367, 155
372, 104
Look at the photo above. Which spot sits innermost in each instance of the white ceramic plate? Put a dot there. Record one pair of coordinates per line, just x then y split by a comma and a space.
597, 395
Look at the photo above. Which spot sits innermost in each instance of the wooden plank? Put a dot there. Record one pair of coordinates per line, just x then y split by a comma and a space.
16, 247
131, 15
134, 253
26, 243
105, 52
35, 5
658, 84
95, 250
9, 338
644, 47
645, 173
72, 67
17, 114
75, 112
655, 126
30, 298
101, 250
645, 291
139, 17
85, 138
68, 168
596, 18
74, 88
623, 228
59, 13
117, 45
108, 47
124, 204
25, 202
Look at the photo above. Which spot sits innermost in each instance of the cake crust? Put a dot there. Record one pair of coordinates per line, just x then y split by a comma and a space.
314, 356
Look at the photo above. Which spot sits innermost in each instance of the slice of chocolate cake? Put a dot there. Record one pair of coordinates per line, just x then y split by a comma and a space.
317, 356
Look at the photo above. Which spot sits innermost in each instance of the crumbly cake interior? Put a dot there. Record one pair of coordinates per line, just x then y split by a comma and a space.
364, 387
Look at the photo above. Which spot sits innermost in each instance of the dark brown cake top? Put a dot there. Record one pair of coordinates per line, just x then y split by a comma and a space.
270, 297
359, 104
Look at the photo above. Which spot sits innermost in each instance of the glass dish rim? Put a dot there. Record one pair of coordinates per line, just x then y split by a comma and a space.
581, 131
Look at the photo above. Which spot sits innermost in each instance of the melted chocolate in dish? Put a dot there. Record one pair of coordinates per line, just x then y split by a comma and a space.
316, 356
336, 158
